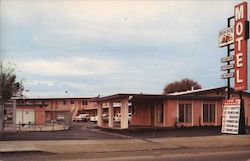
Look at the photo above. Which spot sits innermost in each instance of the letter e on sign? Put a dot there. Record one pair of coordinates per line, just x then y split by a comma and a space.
240, 47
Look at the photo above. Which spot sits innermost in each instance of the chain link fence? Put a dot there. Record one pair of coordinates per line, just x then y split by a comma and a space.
16, 119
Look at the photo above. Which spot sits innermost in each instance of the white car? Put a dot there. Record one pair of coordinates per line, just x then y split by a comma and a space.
93, 118
117, 117
82, 117
105, 118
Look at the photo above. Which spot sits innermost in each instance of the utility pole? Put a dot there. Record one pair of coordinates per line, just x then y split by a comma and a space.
1, 99
229, 50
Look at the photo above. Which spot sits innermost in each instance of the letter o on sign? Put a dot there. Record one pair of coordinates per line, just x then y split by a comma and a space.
239, 28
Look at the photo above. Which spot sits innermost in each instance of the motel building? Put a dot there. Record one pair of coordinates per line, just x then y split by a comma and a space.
201, 107
40, 111
190, 108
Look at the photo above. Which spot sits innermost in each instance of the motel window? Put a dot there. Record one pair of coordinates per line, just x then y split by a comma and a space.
64, 102
185, 113
208, 112
84, 102
72, 102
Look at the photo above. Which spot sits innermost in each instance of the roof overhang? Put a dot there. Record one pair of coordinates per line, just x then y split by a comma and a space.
152, 97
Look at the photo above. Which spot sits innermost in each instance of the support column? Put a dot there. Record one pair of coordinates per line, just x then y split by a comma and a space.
99, 115
124, 114
1, 118
111, 115
14, 115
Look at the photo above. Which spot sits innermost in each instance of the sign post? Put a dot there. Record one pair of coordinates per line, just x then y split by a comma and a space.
226, 38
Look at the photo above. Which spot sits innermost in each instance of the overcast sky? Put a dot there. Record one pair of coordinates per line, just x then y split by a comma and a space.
105, 47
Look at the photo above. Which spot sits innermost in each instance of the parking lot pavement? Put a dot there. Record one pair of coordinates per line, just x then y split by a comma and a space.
90, 131
78, 131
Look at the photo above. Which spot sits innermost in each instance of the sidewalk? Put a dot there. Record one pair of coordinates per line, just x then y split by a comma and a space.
91, 146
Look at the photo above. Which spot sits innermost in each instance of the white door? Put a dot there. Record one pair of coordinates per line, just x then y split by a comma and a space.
25, 116
19, 116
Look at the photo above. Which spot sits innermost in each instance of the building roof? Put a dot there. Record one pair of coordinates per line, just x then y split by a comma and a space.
197, 91
204, 91
55, 98
192, 94
151, 97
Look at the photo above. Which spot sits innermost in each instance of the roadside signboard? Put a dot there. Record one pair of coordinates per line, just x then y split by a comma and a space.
227, 75
226, 67
240, 46
227, 58
226, 36
231, 116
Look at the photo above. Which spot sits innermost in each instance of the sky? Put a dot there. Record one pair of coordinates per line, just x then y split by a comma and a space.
89, 48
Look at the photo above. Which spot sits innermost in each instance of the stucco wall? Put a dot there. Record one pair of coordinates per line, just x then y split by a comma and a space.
40, 116
170, 112
247, 109
142, 115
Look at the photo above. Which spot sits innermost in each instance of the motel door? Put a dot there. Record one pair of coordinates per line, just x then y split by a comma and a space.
25, 116
157, 114
152, 115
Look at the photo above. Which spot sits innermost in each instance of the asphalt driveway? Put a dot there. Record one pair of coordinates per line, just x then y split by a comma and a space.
89, 131
78, 131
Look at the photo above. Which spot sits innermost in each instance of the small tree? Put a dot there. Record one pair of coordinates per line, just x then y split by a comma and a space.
179, 86
9, 86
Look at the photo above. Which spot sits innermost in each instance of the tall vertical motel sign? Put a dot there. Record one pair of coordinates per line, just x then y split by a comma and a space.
237, 35
233, 120
241, 34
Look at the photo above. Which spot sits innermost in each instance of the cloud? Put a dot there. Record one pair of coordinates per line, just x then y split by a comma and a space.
73, 66
105, 47
145, 21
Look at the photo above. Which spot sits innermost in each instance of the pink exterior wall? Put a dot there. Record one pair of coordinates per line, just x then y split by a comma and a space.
170, 107
142, 115
197, 106
58, 104
247, 109
40, 116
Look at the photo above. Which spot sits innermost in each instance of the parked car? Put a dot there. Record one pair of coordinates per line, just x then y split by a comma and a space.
117, 117
105, 118
93, 118
60, 117
82, 117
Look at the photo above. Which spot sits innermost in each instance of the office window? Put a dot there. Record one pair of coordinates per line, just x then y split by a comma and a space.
208, 112
185, 113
